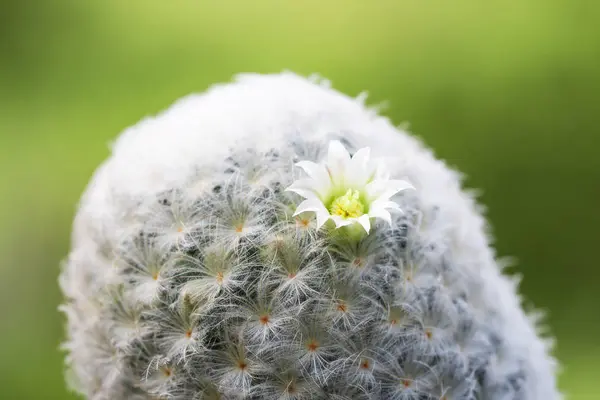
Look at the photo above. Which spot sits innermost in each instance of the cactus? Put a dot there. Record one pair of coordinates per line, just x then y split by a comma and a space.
195, 274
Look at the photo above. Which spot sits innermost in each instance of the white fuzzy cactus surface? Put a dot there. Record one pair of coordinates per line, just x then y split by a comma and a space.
275, 239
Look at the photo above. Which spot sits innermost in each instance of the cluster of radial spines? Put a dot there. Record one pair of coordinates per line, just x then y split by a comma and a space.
224, 295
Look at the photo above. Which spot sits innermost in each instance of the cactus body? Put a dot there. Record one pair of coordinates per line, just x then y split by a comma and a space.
189, 278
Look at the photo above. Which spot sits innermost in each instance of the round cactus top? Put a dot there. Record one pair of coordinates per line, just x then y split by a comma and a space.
275, 239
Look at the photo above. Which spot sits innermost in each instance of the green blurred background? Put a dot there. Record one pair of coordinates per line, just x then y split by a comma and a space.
506, 91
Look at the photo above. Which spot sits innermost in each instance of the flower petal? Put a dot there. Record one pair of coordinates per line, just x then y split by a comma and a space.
337, 151
305, 188
361, 157
310, 205
382, 213
316, 206
399, 184
360, 169
384, 189
322, 217
338, 160
375, 188
322, 181
339, 221
365, 221
309, 167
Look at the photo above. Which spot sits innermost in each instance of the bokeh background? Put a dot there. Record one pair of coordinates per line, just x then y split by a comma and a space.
506, 91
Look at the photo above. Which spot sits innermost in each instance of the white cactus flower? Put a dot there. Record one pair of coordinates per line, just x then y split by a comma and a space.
347, 190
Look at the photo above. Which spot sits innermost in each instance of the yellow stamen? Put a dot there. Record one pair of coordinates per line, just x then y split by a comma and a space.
348, 205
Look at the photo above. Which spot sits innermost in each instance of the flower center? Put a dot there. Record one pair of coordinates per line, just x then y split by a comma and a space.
348, 205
